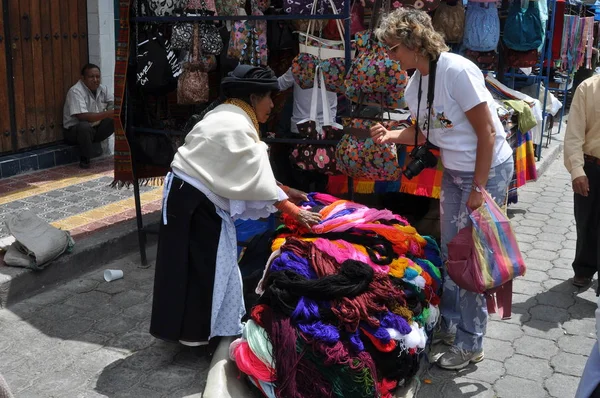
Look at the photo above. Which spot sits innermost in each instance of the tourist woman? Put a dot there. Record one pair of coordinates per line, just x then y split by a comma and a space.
221, 173
464, 124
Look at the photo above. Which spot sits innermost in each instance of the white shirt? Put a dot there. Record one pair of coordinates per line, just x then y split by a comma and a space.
459, 87
302, 100
80, 99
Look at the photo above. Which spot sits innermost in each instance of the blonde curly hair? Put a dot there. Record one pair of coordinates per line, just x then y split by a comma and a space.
413, 29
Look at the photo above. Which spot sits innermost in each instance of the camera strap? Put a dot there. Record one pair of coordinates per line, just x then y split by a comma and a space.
430, 97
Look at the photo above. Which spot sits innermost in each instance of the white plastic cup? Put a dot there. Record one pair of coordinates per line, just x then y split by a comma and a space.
112, 275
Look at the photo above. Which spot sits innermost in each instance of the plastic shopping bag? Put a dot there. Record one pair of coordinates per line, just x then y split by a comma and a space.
485, 257
495, 244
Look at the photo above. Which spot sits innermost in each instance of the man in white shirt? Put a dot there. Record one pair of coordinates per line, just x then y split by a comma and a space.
87, 114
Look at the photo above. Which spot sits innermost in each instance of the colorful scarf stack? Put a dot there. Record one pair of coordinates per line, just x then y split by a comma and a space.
345, 309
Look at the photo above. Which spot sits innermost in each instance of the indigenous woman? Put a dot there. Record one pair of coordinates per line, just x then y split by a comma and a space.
221, 173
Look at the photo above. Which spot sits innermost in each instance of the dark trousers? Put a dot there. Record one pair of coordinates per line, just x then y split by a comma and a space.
587, 219
185, 266
84, 135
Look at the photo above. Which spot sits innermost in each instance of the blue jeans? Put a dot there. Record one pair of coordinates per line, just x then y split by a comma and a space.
464, 312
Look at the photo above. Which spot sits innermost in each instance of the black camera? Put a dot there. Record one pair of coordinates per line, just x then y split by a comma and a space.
421, 158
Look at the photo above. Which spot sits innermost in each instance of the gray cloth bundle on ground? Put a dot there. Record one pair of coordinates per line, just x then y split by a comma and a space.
37, 242
4, 390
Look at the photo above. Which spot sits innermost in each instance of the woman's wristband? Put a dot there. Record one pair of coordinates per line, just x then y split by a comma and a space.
287, 207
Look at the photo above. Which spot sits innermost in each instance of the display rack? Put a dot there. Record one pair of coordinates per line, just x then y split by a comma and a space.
131, 129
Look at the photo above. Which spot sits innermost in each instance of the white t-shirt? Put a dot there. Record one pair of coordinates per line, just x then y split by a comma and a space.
459, 87
303, 99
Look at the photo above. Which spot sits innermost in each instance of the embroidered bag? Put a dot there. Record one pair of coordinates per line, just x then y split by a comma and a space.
449, 20
485, 257
485, 60
316, 51
523, 30
482, 26
192, 87
520, 59
360, 157
311, 157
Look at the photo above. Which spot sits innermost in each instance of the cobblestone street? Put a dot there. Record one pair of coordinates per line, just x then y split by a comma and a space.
542, 350
90, 338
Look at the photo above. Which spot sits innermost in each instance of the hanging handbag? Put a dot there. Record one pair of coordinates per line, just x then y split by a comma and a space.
228, 7
449, 20
311, 157
303, 7
329, 54
520, 59
210, 38
482, 26
360, 157
157, 66
372, 71
181, 35
248, 42
485, 60
202, 5
523, 30
157, 8
192, 87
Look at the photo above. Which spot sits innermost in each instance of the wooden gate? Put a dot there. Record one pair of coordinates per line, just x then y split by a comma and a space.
43, 45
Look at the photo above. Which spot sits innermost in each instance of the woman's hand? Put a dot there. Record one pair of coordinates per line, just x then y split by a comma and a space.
381, 135
475, 200
308, 218
296, 196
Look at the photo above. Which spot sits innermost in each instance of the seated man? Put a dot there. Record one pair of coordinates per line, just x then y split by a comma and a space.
88, 115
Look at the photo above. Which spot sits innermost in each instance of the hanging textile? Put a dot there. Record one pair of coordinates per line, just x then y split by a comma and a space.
558, 28
525, 167
428, 183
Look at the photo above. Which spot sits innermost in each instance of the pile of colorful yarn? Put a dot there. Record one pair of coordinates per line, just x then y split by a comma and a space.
345, 309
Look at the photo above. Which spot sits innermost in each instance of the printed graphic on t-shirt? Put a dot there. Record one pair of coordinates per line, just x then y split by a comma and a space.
439, 120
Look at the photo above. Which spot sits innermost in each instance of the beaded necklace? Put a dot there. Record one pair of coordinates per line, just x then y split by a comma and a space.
246, 108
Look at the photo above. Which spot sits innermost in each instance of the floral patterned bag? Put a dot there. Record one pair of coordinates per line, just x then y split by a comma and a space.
360, 157
373, 71
315, 51
311, 157
248, 42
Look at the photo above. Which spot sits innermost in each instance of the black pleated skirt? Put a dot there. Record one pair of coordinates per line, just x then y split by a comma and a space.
185, 266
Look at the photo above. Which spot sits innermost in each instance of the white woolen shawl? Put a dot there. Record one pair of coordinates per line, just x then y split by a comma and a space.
224, 152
